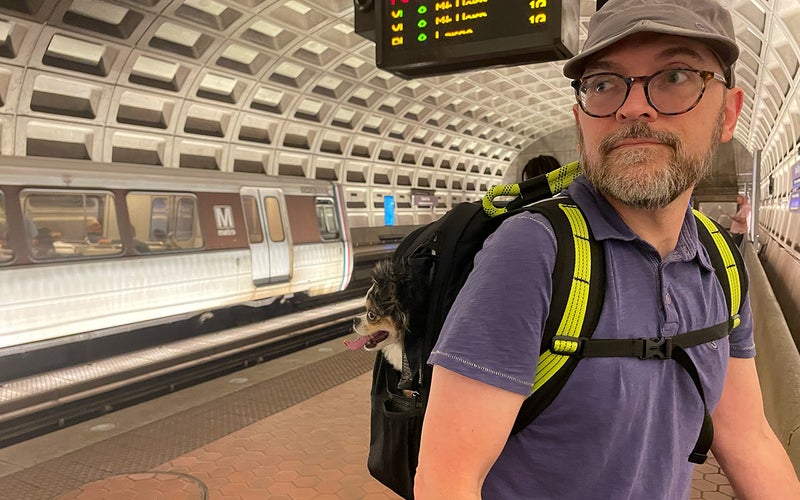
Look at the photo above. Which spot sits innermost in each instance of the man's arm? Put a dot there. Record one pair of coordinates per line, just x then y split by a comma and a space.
467, 424
739, 218
742, 215
744, 444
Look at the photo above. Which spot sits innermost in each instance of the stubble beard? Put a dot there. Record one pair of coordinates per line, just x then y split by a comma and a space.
648, 178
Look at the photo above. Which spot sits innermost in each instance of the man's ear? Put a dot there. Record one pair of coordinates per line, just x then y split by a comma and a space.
576, 114
734, 99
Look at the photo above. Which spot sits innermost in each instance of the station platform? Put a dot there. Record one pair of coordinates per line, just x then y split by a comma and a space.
296, 427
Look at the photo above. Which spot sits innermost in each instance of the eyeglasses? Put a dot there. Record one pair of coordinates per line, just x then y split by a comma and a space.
671, 91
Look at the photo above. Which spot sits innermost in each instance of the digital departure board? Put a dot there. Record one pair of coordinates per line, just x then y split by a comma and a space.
416, 38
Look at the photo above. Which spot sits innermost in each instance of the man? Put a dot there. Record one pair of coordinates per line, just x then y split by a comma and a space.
94, 231
655, 92
741, 221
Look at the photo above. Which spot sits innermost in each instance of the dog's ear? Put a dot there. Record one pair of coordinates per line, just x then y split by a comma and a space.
404, 280
385, 289
392, 284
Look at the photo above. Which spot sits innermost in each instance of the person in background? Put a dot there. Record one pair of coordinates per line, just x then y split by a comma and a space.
740, 223
539, 165
94, 231
655, 94
44, 243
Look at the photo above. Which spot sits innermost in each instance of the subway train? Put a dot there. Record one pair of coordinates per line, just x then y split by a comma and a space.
91, 248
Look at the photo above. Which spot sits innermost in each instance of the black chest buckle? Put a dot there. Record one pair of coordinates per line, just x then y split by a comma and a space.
656, 348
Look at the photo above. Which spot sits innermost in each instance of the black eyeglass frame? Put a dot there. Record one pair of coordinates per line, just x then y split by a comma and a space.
645, 80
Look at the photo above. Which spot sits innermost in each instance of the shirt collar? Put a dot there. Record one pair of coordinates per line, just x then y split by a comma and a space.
606, 224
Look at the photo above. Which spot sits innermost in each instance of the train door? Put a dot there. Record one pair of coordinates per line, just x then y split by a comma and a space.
266, 227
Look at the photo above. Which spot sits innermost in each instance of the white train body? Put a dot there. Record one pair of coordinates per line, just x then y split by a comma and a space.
90, 249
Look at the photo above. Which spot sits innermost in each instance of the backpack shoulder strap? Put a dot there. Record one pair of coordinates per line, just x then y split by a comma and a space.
727, 261
577, 299
729, 268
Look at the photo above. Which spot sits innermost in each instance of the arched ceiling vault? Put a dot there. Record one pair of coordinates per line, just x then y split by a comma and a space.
287, 87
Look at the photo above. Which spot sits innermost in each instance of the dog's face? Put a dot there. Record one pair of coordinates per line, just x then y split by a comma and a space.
378, 327
385, 320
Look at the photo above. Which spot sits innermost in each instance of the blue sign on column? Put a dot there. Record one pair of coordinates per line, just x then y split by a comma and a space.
796, 175
388, 210
794, 201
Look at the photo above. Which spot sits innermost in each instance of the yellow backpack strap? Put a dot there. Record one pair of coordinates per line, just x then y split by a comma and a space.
570, 326
578, 294
559, 179
727, 261
534, 189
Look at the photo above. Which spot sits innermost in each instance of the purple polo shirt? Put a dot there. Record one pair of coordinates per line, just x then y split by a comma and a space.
621, 428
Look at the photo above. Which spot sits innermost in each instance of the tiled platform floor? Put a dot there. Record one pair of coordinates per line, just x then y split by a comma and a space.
315, 449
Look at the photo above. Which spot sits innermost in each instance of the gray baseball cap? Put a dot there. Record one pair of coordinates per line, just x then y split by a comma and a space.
705, 20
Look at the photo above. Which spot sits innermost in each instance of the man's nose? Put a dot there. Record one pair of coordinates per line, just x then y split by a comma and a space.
636, 106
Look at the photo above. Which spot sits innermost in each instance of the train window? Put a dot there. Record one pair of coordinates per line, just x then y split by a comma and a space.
303, 219
169, 220
70, 224
274, 222
184, 219
251, 218
326, 217
159, 217
6, 253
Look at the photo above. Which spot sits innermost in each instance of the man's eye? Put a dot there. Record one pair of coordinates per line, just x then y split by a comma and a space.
600, 87
372, 316
675, 77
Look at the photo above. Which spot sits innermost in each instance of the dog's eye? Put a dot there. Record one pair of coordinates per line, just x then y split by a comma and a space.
372, 316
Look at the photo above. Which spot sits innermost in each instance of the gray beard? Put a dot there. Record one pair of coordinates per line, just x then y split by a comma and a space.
630, 175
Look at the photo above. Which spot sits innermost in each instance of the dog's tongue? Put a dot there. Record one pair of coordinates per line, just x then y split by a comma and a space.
367, 340
357, 343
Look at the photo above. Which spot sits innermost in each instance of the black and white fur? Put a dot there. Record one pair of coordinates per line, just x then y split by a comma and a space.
385, 321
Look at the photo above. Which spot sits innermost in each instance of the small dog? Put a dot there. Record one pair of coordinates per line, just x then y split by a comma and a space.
384, 324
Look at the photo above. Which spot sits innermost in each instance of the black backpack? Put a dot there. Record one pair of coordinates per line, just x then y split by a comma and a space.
437, 259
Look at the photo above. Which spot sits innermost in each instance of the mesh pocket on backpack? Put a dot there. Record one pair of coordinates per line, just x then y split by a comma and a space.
394, 449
